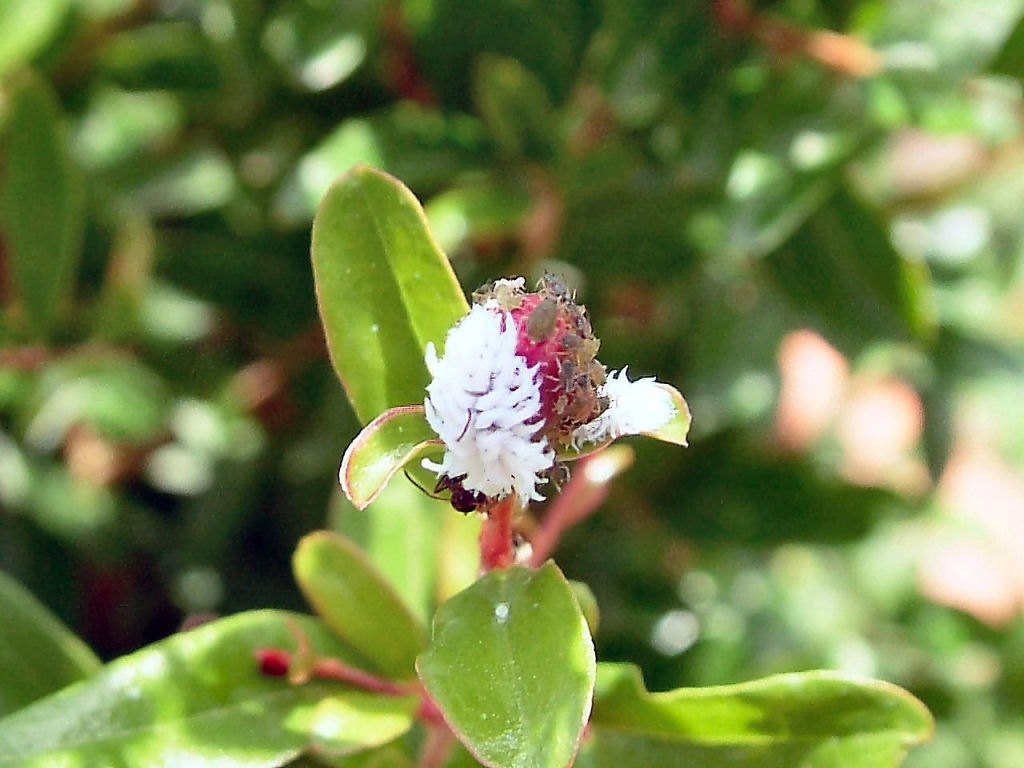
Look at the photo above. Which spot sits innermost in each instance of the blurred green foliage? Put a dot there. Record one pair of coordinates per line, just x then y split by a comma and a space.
713, 178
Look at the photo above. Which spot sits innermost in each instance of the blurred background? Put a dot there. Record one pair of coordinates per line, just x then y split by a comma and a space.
806, 215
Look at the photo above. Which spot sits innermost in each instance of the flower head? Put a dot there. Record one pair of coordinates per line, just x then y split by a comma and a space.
518, 381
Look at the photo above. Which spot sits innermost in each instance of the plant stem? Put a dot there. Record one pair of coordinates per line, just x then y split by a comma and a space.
436, 747
580, 497
497, 547
277, 662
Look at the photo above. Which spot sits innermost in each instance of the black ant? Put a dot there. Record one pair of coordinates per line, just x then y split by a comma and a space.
462, 499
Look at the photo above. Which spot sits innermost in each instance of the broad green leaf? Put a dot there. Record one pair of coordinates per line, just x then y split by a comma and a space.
26, 27
355, 600
200, 697
38, 654
40, 203
588, 604
385, 445
384, 289
797, 720
511, 666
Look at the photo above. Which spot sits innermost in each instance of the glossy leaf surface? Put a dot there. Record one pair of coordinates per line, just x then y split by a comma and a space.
199, 697
38, 654
40, 203
355, 600
385, 445
787, 721
384, 289
511, 665
400, 534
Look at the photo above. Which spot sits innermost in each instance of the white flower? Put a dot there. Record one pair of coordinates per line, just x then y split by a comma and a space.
633, 407
484, 403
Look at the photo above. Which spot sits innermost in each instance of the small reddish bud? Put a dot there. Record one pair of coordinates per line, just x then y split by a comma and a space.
273, 661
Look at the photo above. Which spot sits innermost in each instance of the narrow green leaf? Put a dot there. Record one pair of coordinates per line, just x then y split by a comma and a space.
842, 267
384, 289
511, 665
26, 28
817, 719
167, 55
400, 533
385, 445
40, 203
515, 106
356, 601
38, 654
198, 697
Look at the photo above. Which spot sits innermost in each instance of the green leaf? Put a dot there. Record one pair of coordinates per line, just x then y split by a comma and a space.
679, 426
38, 654
199, 696
357, 603
160, 56
480, 209
400, 533
548, 37
383, 287
115, 395
797, 720
26, 27
1010, 59
515, 106
319, 46
511, 666
40, 203
385, 445
842, 266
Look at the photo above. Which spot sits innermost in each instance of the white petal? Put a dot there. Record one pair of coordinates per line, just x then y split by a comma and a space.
633, 407
483, 402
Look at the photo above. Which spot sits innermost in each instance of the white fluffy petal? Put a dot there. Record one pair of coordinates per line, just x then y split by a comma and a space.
483, 403
633, 407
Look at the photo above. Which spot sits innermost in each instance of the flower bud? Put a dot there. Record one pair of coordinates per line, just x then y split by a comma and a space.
518, 381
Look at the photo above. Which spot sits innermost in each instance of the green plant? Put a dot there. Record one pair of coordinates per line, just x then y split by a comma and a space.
507, 669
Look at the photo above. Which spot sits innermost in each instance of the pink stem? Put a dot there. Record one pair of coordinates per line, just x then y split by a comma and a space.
436, 747
578, 500
497, 546
276, 662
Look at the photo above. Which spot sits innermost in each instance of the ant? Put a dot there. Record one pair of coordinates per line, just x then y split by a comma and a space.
462, 499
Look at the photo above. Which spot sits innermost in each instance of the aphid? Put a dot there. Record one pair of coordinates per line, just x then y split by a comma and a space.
461, 499
571, 341
555, 286
558, 474
541, 321
566, 374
